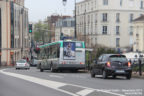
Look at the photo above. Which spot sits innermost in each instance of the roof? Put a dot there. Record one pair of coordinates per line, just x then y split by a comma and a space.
141, 18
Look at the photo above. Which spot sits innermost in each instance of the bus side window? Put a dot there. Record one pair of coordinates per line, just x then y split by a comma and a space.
58, 51
48, 52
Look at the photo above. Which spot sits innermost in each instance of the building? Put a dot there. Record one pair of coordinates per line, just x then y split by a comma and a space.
138, 34
107, 22
51, 20
14, 37
65, 28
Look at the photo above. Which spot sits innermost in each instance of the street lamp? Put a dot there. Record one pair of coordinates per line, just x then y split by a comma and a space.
64, 3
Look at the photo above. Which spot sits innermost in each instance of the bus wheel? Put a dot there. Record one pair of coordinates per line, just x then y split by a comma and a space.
41, 70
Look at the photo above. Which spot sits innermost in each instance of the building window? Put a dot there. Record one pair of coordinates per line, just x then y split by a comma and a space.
105, 2
117, 42
141, 4
95, 18
104, 30
131, 30
121, 2
104, 17
117, 17
117, 30
131, 17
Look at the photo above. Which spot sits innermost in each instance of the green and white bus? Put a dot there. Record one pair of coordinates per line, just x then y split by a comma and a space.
62, 55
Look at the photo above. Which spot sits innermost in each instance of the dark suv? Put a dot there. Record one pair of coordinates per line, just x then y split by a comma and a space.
111, 65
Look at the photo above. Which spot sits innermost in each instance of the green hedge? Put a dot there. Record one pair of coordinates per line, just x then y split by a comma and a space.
136, 68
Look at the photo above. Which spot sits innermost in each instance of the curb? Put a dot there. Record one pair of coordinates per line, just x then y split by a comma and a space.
137, 76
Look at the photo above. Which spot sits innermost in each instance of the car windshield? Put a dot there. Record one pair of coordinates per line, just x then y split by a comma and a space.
119, 58
21, 61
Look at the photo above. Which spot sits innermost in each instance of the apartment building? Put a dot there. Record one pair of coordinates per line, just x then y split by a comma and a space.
138, 35
65, 28
107, 22
14, 37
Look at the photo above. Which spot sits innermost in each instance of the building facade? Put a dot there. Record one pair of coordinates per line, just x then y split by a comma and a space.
51, 20
107, 22
65, 28
14, 37
138, 35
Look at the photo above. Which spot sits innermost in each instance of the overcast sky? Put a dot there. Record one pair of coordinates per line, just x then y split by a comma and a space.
40, 9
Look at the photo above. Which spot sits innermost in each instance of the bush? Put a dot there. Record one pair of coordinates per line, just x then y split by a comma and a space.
136, 68
101, 51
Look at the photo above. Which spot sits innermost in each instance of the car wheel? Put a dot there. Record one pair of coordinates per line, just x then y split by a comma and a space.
128, 77
41, 70
104, 74
92, 73
114, 76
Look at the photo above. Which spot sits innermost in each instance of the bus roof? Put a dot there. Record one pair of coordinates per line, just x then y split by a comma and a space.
59, 42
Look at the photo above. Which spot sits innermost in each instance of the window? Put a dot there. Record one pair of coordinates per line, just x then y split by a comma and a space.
100, 58
131, 17
121, 2
104, 30
117, 30
95, 18
117, 17
131, 30
104, 58
117, 42
120, 58
105, 2
141, 4
104, 17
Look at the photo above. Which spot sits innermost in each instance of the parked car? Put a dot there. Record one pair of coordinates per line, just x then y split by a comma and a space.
111, 65
22, 64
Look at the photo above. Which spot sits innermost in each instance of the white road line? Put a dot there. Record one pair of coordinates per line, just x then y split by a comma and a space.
56, 85
85, 92
47, 83
56, 76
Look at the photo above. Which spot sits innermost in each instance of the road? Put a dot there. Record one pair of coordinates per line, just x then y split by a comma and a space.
35, 83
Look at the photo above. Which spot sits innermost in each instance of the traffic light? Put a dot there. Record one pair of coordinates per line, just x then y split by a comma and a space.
30, 28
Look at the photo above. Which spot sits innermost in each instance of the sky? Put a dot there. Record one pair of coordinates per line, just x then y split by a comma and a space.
40, 9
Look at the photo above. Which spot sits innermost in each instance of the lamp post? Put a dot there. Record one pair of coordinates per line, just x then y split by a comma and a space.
64, 3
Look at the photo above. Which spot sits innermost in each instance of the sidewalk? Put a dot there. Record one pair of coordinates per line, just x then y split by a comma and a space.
136, 75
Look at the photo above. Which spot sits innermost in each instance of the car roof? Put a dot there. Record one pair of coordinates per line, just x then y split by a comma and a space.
108, 55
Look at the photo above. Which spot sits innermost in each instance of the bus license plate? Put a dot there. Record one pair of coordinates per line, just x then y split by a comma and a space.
120, 71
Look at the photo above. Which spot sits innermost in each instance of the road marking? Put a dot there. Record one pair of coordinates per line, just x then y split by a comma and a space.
47, 83
56, 76
56, 85
85, 92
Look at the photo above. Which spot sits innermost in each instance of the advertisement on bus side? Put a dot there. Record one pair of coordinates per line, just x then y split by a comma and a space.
69, 50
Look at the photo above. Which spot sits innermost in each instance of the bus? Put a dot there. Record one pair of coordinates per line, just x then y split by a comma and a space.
61, 55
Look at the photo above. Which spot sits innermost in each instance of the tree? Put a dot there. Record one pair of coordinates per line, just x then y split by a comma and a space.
40, 30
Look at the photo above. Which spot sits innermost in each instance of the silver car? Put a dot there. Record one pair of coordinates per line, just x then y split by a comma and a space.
22, 64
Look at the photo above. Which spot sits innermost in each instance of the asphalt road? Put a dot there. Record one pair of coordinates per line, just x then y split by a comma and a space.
35, 83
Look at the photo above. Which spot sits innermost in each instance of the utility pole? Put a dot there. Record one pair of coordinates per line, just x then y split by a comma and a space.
85, 27
64, 2
75, 22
